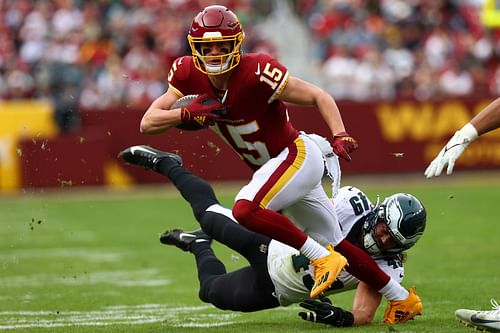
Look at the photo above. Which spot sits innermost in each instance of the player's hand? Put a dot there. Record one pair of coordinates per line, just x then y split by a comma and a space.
343, 144
203, 110
451, 152
323, 311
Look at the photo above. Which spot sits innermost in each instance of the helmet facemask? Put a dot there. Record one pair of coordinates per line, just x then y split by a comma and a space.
216, 24
371, 242
219, 64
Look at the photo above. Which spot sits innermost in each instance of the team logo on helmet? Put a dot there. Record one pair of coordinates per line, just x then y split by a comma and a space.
405, 218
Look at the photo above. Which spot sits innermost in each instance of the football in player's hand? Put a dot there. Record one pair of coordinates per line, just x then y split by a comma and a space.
181, 103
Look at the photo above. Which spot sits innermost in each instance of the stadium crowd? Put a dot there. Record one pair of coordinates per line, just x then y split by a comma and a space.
106, 53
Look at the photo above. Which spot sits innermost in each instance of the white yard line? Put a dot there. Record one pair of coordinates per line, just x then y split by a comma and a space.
193, 316
139, 278
92, 255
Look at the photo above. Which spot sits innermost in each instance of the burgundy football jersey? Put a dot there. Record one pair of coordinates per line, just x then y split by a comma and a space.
256, 124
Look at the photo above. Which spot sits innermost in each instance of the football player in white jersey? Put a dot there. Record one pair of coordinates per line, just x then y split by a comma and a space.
278, 275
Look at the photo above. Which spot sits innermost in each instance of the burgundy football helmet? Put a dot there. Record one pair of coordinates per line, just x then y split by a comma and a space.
215, 24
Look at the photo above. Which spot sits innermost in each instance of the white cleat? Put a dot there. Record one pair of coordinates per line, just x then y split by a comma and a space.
487, 321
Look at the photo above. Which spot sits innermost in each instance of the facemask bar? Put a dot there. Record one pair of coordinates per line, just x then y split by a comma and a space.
226, 62
371, 242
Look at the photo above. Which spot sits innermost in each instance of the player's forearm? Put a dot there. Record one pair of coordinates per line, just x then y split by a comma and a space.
362, 317
330, 113
156, 120
301, 92
365, 304
488, 119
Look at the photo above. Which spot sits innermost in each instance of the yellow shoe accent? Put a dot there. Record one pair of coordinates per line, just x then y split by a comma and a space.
326, 271
402, 311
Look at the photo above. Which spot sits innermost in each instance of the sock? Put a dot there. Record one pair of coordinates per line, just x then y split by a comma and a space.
313, 250
393, 291
362, 266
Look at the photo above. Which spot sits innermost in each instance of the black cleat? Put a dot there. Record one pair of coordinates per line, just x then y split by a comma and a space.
182, 239
147, 157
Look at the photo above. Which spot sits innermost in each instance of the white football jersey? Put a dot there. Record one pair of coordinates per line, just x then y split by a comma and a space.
291, 273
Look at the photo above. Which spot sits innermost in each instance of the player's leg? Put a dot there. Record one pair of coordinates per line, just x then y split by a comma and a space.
248, 289
219, 223
208, 266
195, 190
316, 215
221, 226
312, 213
240, 290
215, 220
279, 183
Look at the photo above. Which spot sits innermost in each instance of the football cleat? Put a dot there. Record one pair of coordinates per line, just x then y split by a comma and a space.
147, 157
481, 320
401, 311
183, 240
326, 271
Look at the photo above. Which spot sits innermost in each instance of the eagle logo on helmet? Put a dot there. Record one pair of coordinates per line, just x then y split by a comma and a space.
394, 216
212, 25
405, 217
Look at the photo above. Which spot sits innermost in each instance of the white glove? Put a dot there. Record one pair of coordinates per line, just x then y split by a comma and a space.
452, 151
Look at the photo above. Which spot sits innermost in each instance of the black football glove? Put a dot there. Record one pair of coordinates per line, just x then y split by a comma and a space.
324, 312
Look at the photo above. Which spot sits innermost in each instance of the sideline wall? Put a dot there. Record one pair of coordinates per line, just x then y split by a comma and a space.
393, 137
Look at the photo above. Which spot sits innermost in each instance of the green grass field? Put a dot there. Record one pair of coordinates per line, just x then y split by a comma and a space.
92, 262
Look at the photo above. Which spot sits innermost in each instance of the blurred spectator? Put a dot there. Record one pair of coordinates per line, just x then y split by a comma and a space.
116, 53
405, 45
455, 80
65, 88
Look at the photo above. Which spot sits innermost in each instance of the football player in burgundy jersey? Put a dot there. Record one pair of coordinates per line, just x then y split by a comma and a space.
278, 274
251, 90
